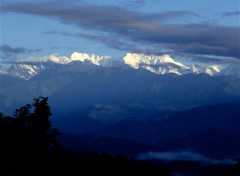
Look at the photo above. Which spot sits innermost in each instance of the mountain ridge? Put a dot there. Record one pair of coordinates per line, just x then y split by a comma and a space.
164, 64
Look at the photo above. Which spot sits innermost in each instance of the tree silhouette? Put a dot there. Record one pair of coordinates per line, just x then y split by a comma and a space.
29, 132
43, 135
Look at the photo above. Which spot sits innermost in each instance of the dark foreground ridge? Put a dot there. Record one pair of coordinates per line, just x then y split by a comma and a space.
29, 146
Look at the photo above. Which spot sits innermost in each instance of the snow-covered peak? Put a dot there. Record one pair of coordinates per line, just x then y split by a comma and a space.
25, 71
194, 69
216, 68
136, 60
212, 70
132, 59
166, 59
94, 59
59, 59
157, 64
3, 70
82, 57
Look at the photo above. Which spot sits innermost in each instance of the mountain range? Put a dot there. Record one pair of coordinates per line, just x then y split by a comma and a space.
85, 80
143, 101
157, 64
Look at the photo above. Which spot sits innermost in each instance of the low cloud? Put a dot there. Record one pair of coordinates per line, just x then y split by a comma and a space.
112, 42
64, 47
183, 156
234, 13
9, 49
133, 3
11, 53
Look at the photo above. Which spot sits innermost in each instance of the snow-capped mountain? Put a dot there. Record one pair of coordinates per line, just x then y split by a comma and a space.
3, 70
137, 60
212, 70
59, 59
156, 64
25, 71
164, 64
94, 59
82, 57
194, 69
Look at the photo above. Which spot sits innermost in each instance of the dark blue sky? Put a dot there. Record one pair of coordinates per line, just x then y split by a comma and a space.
206, 30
